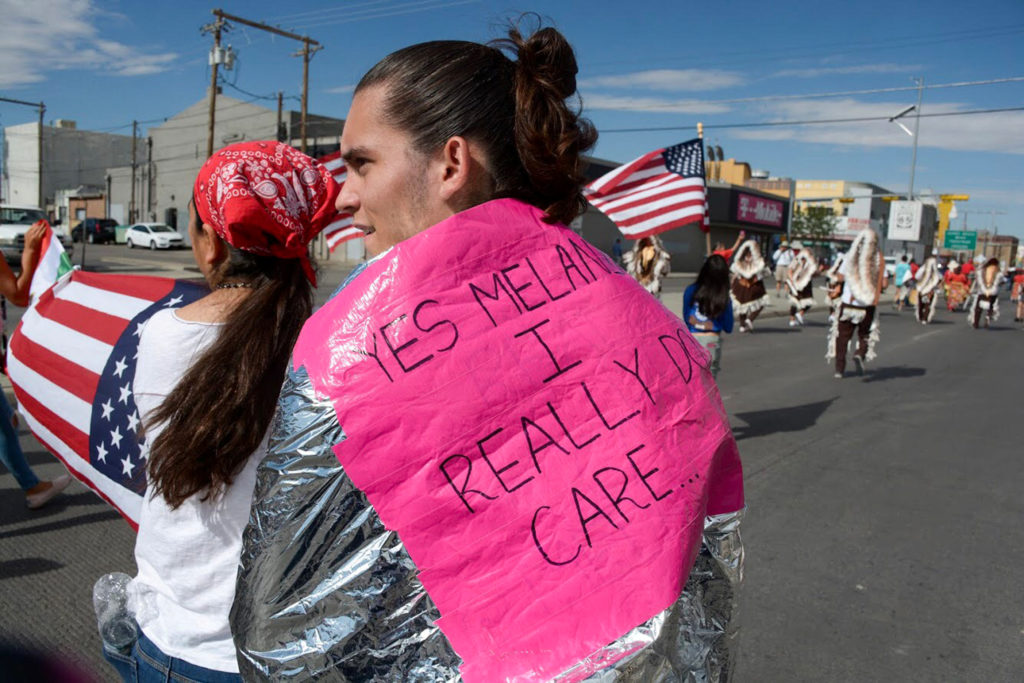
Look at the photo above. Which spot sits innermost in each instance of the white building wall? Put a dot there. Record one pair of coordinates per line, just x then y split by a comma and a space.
71, 158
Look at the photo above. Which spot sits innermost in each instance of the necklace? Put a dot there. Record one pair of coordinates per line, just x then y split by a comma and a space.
235, 285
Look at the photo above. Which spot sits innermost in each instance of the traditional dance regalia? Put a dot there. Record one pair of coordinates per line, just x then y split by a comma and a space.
648, 263
928, 285
833, 281
985, 297
798, 284
747, 291
862, 280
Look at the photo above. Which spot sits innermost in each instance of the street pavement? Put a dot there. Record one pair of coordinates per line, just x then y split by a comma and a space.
882, 533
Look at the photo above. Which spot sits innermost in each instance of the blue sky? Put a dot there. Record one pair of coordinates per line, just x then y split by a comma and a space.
643, 65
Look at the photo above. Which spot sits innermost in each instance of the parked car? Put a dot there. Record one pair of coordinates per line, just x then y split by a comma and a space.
97, 230
154, 236
14, 221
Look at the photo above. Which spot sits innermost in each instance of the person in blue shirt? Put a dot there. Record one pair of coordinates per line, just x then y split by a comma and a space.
707, 309
902, 276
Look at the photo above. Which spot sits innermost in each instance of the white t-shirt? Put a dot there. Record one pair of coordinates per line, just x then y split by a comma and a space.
188, 557
783, 258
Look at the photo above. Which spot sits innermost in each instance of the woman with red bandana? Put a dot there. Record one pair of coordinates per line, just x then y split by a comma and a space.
206, 386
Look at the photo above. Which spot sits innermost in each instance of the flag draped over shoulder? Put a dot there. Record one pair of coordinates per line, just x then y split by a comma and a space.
341, 229
72, 361
661, 190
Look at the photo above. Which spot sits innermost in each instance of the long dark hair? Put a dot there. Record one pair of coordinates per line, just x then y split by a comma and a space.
217, 414
441, 89
712, 295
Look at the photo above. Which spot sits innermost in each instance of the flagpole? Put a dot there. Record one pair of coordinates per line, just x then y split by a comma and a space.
707, 189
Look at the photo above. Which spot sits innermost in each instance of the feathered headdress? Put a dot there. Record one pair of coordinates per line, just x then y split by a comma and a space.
988, 278
862, 264
802, 269
928, 277
747, 262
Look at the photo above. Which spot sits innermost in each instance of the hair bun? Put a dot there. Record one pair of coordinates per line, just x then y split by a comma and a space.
548, 58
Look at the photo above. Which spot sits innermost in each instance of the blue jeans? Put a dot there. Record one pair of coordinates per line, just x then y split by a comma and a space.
148, 664
10, 450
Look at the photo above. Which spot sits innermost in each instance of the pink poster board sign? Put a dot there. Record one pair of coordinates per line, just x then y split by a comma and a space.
542, 434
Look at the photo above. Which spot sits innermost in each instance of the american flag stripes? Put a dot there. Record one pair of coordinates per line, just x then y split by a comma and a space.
340, 230
661, 190
72, 364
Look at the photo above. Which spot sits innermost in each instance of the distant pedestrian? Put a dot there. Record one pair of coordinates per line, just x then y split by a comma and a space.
617, 251
985, 294
720, 249
1017, 293
648, 263
862, 279
15, 289
747, 291
707, 309
782, 257
798, 283
902, 277
928, 282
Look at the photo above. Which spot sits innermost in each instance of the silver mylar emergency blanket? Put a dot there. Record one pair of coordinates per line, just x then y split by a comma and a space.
339, 582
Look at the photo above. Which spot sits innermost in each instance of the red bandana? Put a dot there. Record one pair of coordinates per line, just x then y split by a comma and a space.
266, 198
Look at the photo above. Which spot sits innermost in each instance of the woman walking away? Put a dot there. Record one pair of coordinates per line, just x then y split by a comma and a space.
648, 263
707, 308
206, 385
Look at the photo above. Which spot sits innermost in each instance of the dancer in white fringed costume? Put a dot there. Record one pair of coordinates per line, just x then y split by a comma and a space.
929, 284
747, 291
985, 294
648, 263
861, 281
798, 284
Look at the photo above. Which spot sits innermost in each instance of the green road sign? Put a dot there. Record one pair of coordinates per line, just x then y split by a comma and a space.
961, 240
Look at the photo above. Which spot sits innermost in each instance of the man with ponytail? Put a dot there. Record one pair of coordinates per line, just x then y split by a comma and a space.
419, 514
206, 386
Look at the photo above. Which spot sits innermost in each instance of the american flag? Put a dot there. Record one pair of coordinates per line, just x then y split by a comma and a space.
341, 229
72, 363
661, 190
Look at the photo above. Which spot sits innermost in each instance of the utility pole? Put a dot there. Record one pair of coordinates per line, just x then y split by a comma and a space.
215, 28
42, 110
149, 177
280, 107
917, 126
131, 202
309, 48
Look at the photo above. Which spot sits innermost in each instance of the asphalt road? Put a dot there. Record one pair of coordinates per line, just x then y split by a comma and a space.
882, 534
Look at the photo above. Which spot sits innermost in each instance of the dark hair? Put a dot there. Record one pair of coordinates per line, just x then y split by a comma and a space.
517, 111
216, 416
712, 294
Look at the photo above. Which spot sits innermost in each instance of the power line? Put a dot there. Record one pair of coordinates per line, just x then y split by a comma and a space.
396, 10
762, 124
840, 93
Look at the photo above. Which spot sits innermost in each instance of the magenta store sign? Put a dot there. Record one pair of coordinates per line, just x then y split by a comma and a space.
760, 210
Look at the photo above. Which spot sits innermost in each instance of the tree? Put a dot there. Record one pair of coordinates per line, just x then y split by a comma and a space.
813, 224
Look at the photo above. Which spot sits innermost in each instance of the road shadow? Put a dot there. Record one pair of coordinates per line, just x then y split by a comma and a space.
893, 372
14, 511
775, 420
61, 524
26, 566
774, 330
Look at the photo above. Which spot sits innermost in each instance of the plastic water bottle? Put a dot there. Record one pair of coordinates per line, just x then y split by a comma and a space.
116, 623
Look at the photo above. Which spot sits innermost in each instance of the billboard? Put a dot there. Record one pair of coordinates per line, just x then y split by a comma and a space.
905, 220
759, 210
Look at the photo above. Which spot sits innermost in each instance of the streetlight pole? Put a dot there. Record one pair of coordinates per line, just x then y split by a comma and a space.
917, 126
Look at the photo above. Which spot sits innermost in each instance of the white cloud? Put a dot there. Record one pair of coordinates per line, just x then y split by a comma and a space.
998, 132
63, 34
845, 70
651, 104
667, 79
341, 89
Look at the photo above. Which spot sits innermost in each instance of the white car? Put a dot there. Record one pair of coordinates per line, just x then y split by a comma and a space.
154, 236
15, 220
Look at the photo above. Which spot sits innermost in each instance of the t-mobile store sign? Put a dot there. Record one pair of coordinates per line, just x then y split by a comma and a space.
751, 209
